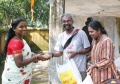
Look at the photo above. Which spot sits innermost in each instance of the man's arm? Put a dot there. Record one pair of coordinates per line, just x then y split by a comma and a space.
84, 51
57, 54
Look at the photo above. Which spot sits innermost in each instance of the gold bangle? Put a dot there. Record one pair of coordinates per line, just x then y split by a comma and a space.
36, 60
36, 57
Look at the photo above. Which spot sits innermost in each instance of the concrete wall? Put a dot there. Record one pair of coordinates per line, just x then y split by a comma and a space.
79, 21
118, 32
38, 38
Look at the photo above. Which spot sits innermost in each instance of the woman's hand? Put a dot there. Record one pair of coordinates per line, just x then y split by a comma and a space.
43, 57
89, 70
47, 56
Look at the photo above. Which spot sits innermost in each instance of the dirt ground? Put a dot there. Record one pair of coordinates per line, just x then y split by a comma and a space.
40, 73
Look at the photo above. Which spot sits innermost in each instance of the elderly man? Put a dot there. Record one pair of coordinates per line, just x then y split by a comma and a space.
73, 42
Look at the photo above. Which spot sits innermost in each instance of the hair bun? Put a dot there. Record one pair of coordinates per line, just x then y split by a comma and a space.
89, 19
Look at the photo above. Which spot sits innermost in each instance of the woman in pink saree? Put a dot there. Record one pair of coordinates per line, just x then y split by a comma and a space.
102, 54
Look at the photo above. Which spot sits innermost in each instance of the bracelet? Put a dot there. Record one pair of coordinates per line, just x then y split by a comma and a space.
52, 54
36, 60
36, 57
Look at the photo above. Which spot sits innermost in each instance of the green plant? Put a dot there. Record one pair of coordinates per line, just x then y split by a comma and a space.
11, 9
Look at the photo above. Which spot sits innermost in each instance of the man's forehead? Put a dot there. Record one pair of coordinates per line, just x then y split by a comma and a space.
66, 18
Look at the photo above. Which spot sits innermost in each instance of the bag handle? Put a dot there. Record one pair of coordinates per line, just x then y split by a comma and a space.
70, 39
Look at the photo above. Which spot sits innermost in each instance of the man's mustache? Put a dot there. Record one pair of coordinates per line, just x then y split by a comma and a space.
65, 25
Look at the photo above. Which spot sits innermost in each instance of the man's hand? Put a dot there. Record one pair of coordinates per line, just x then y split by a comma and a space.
72, 54
47, 56
43, 57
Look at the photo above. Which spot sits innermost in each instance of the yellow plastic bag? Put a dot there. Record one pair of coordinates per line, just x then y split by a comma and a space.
68, 73
67, 77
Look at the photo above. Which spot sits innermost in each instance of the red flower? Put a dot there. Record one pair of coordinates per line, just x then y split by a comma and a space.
27, 53
8, 69
27, 81
23, 73
21, 70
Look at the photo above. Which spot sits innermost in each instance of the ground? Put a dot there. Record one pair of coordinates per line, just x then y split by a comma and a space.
40, 73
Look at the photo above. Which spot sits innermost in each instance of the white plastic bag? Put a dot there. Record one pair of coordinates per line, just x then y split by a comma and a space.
117, 64
87, 80
68, 73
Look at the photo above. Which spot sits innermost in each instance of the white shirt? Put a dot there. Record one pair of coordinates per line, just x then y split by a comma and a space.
79, 42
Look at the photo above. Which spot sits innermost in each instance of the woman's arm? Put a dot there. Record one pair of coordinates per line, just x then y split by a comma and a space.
20, 62
88, 58
107, 54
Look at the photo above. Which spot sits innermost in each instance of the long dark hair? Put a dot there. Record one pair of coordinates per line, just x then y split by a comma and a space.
11, 33
97, 25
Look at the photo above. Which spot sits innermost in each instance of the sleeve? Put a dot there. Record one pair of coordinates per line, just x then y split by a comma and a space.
58, 46
15, 46
85, 40
107, 53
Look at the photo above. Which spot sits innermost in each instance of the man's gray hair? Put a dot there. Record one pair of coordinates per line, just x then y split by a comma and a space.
67, 15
